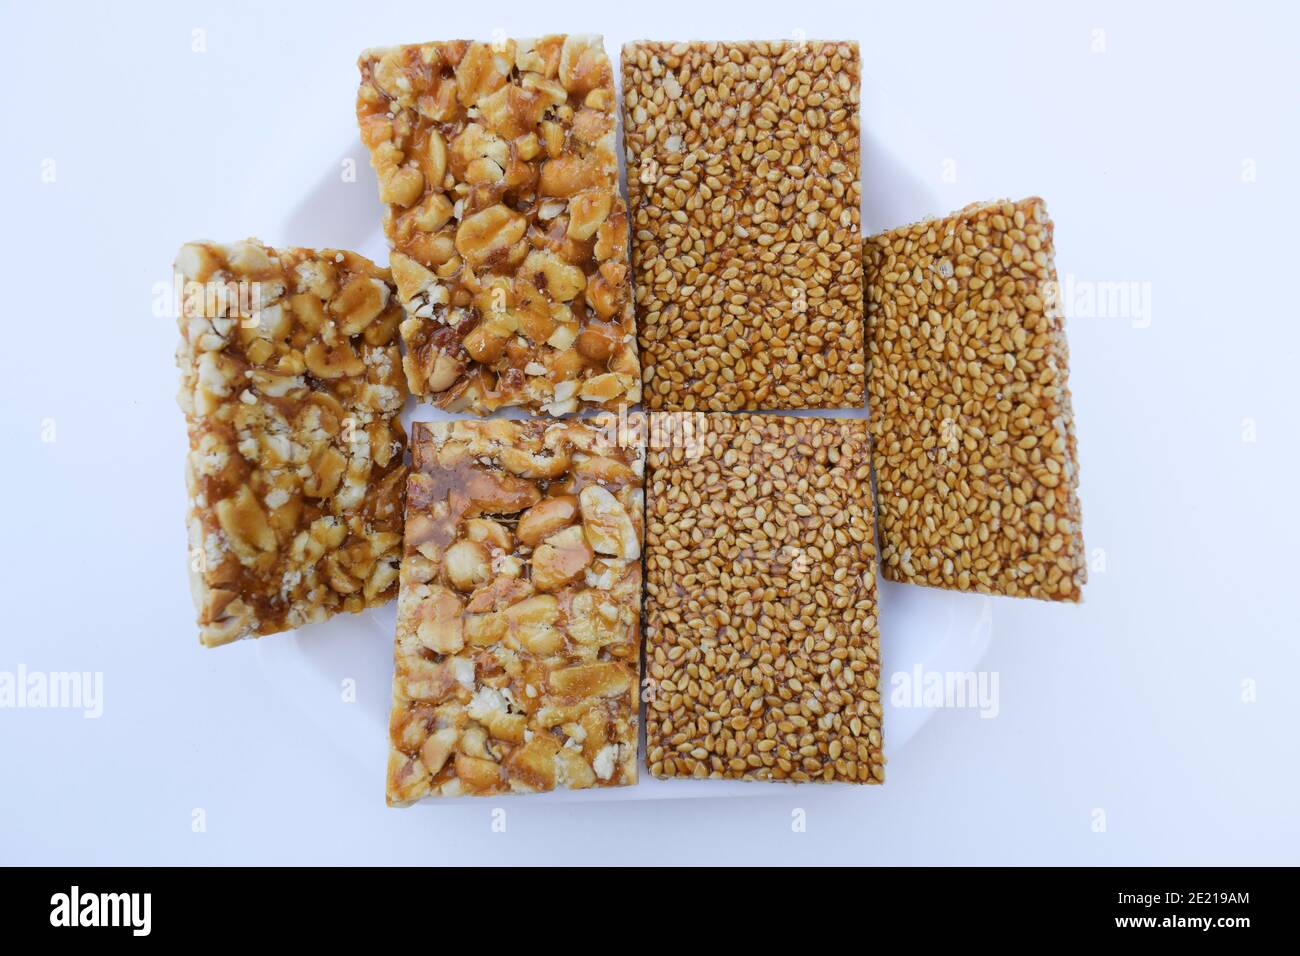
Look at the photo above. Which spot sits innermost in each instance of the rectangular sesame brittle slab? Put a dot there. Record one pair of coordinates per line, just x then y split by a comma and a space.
291, 385
744, 181
518, 628
762, 644
497, 168
975, 454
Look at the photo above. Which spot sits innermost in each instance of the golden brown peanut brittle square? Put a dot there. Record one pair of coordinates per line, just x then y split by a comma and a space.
291, 386
518, 630
744, 184
497, 168
975, 454
762, 644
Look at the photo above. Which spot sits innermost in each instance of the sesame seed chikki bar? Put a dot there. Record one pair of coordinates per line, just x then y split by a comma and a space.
762, 646
291, 386
496, 164
744, 182
518, 623
975, 454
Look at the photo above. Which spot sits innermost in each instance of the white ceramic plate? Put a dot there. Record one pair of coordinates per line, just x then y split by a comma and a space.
338, 675
937, 630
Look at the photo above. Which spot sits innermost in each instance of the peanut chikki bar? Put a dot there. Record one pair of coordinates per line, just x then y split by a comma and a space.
744, 183
975, 454
762, 647
518, 627
497, 167
291, 387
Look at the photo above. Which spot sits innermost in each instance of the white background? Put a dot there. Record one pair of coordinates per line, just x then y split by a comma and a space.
1131, 704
